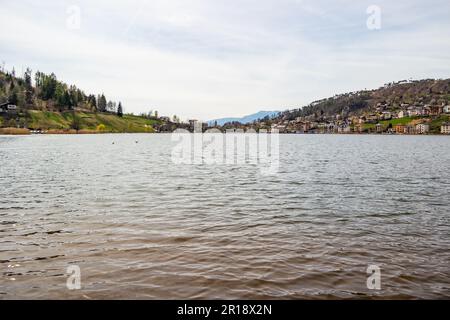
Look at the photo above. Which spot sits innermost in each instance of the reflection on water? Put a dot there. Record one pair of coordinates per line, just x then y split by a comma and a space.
141, 227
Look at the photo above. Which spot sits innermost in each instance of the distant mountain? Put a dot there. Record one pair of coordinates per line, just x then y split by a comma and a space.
247, 119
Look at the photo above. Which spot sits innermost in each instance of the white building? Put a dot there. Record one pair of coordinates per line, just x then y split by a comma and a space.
330, 127
447, 109
279, 127
422, 128
445, 128
7, 107
344, 129
386, 115
401, 114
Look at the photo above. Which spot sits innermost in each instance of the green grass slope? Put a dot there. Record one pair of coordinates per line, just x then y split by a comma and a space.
47, 120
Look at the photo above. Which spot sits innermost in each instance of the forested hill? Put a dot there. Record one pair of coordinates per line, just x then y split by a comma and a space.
49, 94
41, 102
393, 95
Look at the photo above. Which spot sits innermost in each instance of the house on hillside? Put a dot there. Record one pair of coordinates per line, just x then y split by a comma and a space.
379, 128
8, 108
426, 111
446, 109
416, 111
422, 111
372, 118
436, 110
445, 128
386, 115
280, 127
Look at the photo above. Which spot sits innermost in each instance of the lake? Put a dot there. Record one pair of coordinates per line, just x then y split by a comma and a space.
139, 226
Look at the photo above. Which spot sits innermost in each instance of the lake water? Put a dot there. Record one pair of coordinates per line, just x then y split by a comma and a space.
139, 226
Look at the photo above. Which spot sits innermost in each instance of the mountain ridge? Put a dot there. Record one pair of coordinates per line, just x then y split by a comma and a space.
245, 119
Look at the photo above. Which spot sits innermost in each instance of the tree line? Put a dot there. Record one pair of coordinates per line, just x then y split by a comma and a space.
50, 93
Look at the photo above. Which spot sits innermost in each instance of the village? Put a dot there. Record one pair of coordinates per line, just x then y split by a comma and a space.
407, 119
384, 118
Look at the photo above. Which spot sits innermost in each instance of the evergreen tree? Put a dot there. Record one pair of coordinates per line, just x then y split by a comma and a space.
92, 101
13, 99
101, 103
28, 87
120, 110
81, 97
72, 96
48, 86
60, 96
38, 78
68, 101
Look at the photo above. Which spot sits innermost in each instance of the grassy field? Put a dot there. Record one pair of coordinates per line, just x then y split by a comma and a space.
86, 122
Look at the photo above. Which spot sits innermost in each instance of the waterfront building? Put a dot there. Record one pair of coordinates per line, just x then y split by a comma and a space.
445, 128
410, 129
422, 128
399, 128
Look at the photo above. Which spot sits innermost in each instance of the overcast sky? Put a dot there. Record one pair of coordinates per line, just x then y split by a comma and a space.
206, 59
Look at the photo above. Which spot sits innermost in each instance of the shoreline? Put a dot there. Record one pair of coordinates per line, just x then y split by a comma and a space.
27, 132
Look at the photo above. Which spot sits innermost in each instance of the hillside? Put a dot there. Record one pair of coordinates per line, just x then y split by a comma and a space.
47, 93
392, 96
53, 106
84, 122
